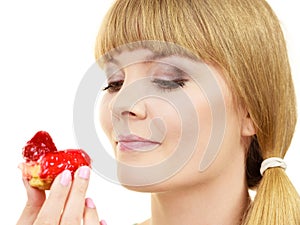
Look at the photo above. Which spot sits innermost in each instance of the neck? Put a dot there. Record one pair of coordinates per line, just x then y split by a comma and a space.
222, 201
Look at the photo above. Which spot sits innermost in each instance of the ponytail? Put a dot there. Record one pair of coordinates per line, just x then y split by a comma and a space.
276, 202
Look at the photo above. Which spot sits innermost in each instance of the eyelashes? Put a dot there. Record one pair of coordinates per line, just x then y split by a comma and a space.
161, 84
169, 85
114, 86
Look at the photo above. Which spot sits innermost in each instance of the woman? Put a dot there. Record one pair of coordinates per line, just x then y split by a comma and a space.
238, 43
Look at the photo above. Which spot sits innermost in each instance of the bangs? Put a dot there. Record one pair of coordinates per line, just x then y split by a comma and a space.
130, 23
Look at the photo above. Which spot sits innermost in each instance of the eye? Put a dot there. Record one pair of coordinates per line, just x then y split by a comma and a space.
114, 86
169, 84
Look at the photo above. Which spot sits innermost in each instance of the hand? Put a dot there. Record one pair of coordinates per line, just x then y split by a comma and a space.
66, 203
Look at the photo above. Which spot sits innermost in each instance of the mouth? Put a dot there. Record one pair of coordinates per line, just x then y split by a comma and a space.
133, 143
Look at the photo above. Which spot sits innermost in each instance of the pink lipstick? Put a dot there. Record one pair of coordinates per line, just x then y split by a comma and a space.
131, 142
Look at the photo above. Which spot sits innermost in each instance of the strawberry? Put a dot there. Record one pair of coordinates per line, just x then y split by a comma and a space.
43, 164
40, 144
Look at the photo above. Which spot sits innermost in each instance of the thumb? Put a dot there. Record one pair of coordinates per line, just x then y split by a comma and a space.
35, 200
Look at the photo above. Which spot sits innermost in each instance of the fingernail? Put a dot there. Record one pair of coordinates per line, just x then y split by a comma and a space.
65, 178
84, 172
89, 203
102, 222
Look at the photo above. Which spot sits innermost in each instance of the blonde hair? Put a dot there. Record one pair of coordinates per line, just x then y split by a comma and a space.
245, 40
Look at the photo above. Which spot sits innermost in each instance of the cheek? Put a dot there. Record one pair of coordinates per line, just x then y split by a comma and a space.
219, 136
204, 135
105, 116
172, 129
213, 128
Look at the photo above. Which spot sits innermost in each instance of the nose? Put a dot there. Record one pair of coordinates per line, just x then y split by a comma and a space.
129, 104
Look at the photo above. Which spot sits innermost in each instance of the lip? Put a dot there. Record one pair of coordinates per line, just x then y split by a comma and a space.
129, 143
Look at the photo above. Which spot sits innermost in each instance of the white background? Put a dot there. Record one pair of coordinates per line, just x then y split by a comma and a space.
45, 49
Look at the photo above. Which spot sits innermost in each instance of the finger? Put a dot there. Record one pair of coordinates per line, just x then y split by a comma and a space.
50, 212
74, 208
102, 222
35, 196
35, 200
90, 216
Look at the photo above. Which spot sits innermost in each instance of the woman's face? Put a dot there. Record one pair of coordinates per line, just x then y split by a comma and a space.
171, 121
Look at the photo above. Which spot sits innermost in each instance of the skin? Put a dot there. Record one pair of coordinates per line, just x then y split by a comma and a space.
66, 203
218, 195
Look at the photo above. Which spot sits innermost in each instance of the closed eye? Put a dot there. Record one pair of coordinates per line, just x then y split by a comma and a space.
114, 86
169, 84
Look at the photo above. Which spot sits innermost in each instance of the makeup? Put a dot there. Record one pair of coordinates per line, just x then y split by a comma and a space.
133, 143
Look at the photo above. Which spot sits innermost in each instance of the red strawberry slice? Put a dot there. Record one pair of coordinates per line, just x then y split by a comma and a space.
40, 144
44, 162
54, 163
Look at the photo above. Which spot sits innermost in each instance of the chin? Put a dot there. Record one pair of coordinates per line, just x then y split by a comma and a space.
154, 188
166, 185
138, 182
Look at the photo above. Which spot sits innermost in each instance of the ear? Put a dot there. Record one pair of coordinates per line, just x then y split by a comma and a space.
247, 128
